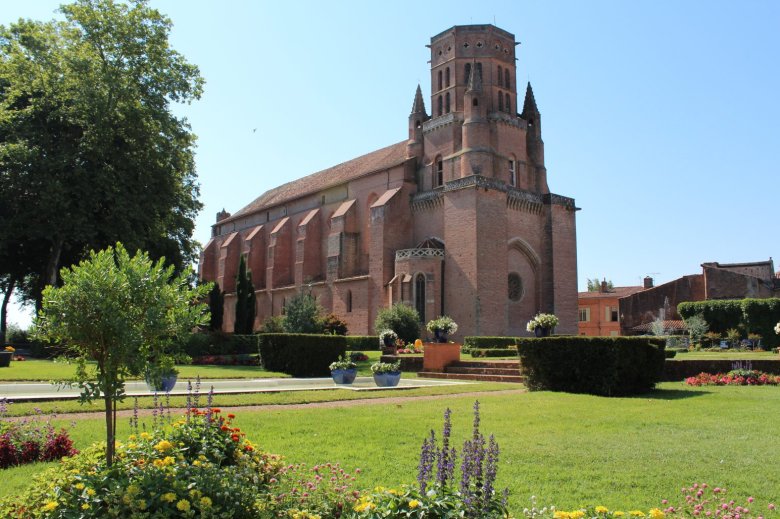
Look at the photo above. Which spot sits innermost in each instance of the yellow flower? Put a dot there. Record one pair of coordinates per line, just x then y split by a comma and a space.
205, 502
163, 446
146, 436
170, 497
414, 503
637, 513
364, 505
601, 509
560, 514
79, 486
90, 491
85, 506
141, 504
655, 513
132, 437
195, 493
50, 506
577, 514
183, 505
618, 513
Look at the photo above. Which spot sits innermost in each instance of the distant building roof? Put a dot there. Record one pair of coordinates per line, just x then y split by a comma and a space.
375, 161
670, 326
614, 292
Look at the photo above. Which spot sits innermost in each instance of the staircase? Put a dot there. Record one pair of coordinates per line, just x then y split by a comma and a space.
486, 371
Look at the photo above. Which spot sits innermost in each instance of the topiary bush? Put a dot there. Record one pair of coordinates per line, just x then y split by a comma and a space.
219, 343
402, 319
301, 355
471, 343
362, 342
607, 366
334, 325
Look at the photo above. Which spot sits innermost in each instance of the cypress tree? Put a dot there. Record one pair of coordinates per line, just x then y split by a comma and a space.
216, 307
245, 300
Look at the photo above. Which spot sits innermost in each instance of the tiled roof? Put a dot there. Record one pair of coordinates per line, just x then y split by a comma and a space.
376, 160
671, 325
615, 292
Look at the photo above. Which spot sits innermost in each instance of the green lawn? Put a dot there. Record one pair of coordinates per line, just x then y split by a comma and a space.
569, 450
727, 355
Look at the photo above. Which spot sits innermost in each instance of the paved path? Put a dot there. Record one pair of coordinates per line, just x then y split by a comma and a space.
40, 391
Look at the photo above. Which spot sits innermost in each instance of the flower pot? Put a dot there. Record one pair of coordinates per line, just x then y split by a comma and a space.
438, 356
387, 379
167, 382
5, 358
343, 376
441, 336
542, 331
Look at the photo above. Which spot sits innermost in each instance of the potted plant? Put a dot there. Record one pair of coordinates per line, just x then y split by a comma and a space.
542, 324
343, 370
441, 327
387, 339
6, 356
386, 374
161, 375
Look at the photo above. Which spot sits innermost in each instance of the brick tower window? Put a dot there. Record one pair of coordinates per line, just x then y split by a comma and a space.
438, 172
500, 75
467, 72
500, 101
515, 287
447, 103
349, 301
419, 296
440, 105
447, 77
440, 83
506, 79
508, 104
512, 173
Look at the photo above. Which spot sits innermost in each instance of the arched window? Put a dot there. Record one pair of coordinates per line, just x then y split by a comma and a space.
349, 301
439, 106
512, 172
508, 104
468, 73
506, 79
515, 286
284, 305
438, 172
440, 80
500, 101
447, 77
500, 76
419, 295
447, 103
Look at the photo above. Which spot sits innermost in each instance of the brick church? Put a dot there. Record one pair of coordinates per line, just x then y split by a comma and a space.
457, 219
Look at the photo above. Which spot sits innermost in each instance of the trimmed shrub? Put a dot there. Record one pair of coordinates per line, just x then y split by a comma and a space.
218, 343
749, 315
402, 319
301, 355
608, 366
302, 314
493, 352
334, 325
362, 342
488, 343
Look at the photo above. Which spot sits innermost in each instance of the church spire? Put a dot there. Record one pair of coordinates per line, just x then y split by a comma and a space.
529, 105
419, 105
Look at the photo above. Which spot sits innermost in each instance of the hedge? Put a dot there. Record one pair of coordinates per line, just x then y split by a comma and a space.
749, 315
300, 355
608, 366
493, 352
487, 343
219, 343
362, 342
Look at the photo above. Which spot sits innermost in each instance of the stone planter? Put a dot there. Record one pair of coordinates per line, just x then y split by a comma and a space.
5, 358
437, 356
541, 331
387, 379
343, 376
167, 383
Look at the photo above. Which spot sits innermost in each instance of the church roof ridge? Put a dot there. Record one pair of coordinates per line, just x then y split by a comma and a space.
354, 168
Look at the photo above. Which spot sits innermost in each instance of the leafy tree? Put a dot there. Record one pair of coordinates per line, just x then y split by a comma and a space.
697, 327
87, 131
123, 313
216, 307
273, 324
594, 285
402, 319
302, 314
245, 300
332, 324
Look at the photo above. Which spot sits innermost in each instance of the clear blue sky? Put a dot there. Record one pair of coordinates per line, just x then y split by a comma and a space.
659, 117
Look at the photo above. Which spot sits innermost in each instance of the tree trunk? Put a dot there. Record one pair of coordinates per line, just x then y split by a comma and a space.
110, 427
4, 309
52, 267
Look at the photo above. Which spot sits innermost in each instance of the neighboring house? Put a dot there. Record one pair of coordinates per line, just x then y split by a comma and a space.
457, 219
717, 281
599, 312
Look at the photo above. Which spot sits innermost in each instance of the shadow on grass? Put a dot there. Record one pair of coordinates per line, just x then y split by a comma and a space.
671, 394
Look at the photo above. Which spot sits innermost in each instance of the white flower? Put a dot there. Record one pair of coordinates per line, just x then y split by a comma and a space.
777, 329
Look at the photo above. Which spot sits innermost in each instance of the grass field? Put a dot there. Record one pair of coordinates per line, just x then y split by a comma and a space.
569, 450
727, 355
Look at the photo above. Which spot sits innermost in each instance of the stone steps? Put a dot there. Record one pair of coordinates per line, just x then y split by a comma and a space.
472, 376
485, 371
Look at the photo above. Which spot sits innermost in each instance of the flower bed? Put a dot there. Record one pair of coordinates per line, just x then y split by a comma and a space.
227, 360
737, 377
29, 440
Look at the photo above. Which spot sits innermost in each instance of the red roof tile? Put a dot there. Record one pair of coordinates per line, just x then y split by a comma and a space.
669, 325
615, 292
376, 160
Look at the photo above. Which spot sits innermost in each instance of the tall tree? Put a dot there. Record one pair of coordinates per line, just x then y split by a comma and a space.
90, 152
216, 307
245, 300
122, 313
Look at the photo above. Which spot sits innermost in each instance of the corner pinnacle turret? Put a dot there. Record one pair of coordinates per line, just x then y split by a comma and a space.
418, 107
529, 105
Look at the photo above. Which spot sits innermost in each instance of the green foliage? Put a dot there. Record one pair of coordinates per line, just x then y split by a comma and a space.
479, 342
302, 314
122, 312
362, 342
273, 324
748, 315
402, 319
594, 285
697, 327
607, 366
90, 149
301, 355
493, 352
334, 325
245, 300
218, 343
216, 307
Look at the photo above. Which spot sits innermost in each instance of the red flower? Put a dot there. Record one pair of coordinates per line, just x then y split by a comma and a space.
234, 437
